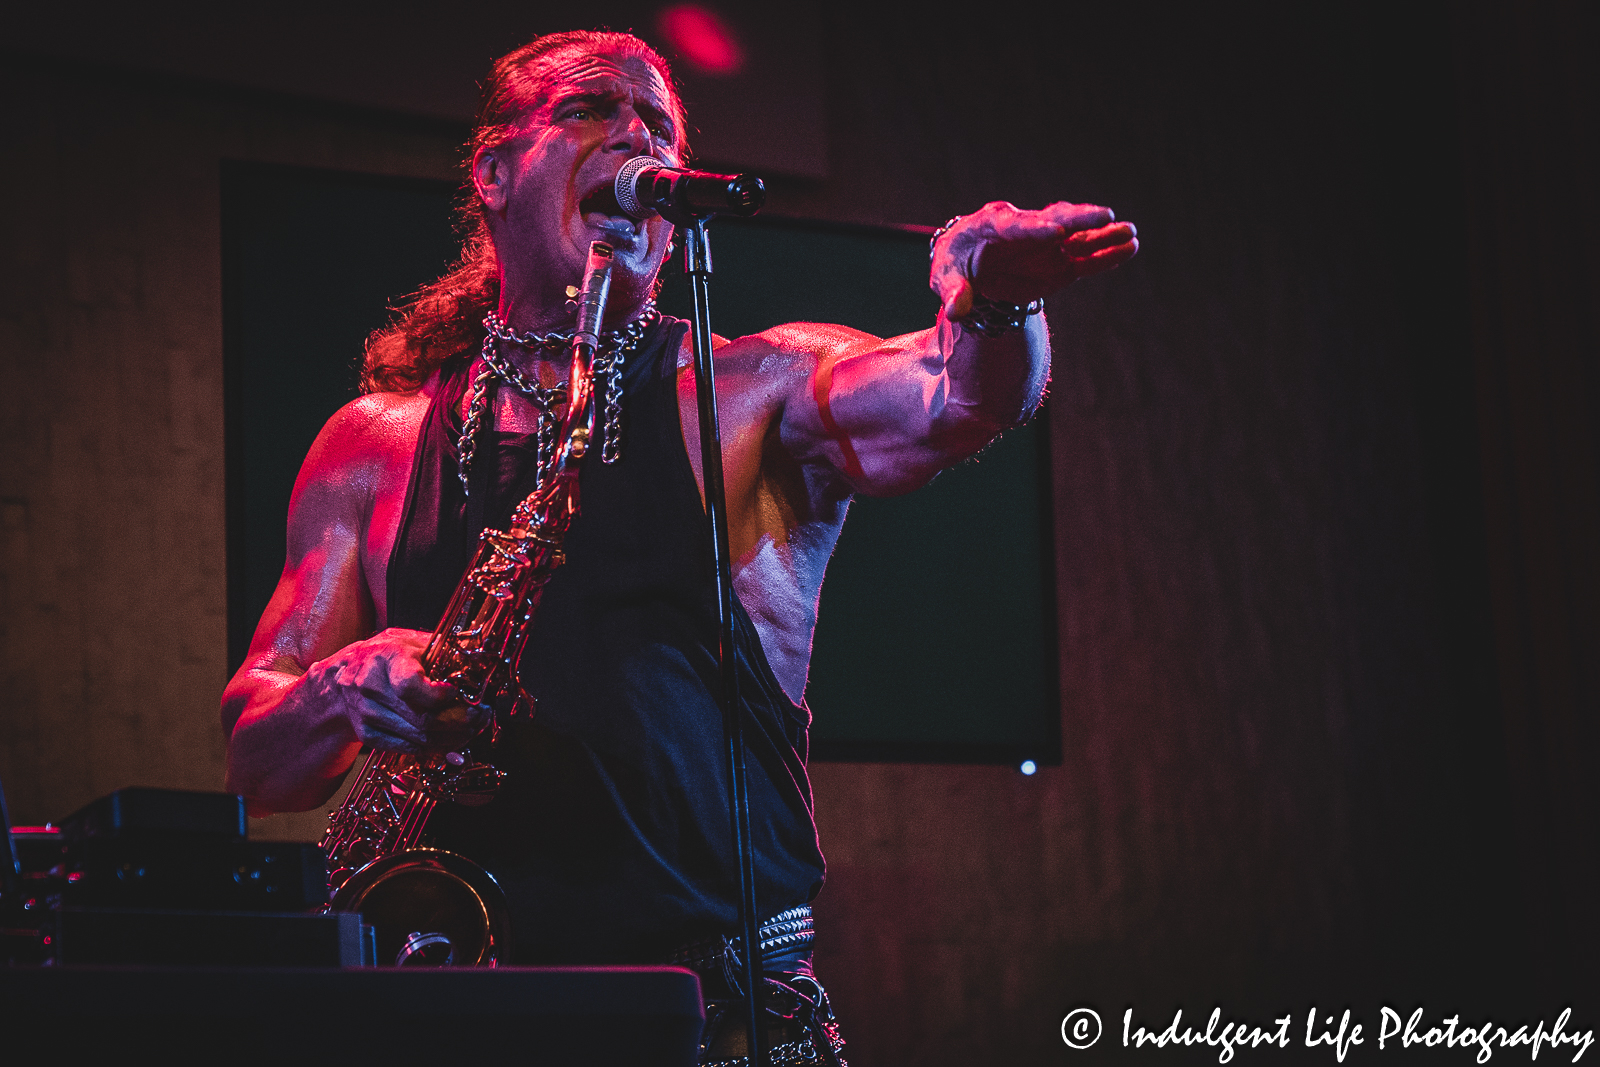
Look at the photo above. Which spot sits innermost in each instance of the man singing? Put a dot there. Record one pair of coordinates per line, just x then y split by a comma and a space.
610, 834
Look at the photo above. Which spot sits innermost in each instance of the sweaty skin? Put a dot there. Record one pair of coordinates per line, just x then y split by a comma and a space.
810, 415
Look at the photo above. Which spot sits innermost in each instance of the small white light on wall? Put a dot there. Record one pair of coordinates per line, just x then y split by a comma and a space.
1028, 766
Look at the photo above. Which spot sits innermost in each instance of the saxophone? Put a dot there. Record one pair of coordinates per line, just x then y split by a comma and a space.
429, 907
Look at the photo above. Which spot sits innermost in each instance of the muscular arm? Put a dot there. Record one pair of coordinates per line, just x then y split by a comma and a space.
317, 684
889, 415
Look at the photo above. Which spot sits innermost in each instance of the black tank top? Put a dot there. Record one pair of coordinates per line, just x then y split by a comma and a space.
611, 834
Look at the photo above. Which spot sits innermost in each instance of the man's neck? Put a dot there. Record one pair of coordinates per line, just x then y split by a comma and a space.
527, 315
541, 308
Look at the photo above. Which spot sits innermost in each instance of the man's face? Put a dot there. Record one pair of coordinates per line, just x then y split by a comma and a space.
595, 112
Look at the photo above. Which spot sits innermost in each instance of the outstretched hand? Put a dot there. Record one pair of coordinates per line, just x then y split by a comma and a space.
1013, 256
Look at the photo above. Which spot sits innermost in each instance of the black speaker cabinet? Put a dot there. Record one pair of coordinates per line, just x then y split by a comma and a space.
633, 1016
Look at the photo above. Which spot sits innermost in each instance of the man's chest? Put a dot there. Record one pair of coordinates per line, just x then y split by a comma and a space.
780, 538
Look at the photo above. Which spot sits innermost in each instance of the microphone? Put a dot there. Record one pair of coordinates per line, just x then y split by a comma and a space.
647, 187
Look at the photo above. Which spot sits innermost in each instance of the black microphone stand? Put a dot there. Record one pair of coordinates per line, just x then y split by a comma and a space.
697, 265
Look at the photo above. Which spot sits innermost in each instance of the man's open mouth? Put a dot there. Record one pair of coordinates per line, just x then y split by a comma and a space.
603, 201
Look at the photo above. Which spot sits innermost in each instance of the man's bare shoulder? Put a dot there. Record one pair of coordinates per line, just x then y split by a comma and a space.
783, 357
364, 449
761, 375
802, 344
370, 428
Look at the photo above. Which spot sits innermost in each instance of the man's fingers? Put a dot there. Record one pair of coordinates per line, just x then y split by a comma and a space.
1106, 258
388, 723
1098, 250
382, 727
388, 742
400, 690
414, 688
1076, 217
1086, 241
421, 692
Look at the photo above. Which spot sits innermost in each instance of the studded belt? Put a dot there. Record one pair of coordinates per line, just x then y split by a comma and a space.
788, 933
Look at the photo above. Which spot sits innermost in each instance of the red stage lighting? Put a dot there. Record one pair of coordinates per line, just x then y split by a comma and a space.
702, 37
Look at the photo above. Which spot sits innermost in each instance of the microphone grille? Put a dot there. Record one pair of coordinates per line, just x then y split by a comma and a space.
627, 181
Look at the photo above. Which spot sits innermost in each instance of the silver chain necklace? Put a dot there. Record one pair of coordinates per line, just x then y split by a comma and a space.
608, 361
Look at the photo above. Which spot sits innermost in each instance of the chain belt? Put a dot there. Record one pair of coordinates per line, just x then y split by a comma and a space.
802, 1053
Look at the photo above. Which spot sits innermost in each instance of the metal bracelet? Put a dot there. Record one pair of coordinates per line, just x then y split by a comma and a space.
994, 318
940, 232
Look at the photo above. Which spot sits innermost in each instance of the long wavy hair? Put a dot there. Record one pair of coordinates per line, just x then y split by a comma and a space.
445, 316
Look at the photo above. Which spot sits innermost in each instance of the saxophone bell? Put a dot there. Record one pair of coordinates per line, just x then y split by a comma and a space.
430, 908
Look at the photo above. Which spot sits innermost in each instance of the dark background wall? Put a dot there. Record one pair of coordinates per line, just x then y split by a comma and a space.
1326, 486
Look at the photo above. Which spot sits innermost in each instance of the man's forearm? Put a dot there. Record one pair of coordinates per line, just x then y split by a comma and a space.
288, 750
995, 383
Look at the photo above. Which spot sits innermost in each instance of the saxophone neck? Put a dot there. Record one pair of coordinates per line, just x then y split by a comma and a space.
545, 513
577, 427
